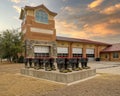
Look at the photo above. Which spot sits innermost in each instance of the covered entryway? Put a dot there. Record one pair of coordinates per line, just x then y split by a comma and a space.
41, 51
90, 53
62, 51
77, 52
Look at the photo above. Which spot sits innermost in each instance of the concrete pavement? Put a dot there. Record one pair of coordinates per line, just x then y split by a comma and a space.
106, 67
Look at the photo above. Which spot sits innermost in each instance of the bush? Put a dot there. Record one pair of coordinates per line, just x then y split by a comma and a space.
21, 59
97, 59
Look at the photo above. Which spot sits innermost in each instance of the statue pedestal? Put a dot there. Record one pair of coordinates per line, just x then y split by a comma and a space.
60, 77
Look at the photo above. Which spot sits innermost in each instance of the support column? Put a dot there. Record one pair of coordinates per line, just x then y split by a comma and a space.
84, 51
110, 56
97, 52
70, 50
29, 49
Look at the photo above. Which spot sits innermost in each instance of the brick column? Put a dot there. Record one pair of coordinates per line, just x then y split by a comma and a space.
84, 51
70, 50
96, 51
110, 57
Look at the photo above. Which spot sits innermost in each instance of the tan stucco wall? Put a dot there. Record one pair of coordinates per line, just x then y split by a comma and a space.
30, 12
115, 59
103, 56
77, 45
110, 56
63, 44
90, 46
84, 46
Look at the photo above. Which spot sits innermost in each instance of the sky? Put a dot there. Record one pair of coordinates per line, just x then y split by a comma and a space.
97, 20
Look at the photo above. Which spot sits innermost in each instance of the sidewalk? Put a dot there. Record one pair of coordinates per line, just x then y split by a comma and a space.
106, 67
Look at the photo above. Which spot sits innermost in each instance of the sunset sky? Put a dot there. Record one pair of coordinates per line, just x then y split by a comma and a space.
86, 19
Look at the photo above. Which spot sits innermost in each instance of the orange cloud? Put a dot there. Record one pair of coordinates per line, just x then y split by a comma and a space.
117, 20
100, 30
111, 9
69, 30
95, 3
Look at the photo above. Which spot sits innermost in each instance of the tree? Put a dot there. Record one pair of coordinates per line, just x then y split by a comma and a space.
11, 44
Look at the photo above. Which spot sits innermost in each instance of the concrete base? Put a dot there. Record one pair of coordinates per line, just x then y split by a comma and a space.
60, 77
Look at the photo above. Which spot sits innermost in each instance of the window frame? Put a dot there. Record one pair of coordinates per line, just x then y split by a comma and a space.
115, 55
41, 21
106, 55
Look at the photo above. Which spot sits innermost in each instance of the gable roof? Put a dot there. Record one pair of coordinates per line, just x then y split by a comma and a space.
41, 6
36, 7
112, 48
80, 40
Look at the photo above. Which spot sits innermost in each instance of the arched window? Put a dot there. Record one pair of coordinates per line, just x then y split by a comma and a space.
41, 16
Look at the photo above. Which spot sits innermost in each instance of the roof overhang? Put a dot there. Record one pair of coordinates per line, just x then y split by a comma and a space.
58, 38
40, 6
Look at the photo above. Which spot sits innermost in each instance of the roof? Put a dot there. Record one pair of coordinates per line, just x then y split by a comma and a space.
80, 40
112, 48
40, 6
36, 7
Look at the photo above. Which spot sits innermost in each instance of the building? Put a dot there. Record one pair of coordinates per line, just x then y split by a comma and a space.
111, 53
38, 27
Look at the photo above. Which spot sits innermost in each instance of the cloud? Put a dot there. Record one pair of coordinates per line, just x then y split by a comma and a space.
33, 4
108, 39
116, 20
67, 8
111, 9
16, 18
69, 30
79, 22
18, 9
64, 0
17, 1
95, 3
100, 30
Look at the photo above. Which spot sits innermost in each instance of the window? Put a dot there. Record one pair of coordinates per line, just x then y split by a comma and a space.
106, 56
90, 55
41, 55
62, 55
115, 55
77, 52
77, 55
62, 52
41, 16
41, 51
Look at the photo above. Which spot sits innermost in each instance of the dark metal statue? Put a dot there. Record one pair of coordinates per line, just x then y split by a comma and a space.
30, 62
26, 62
